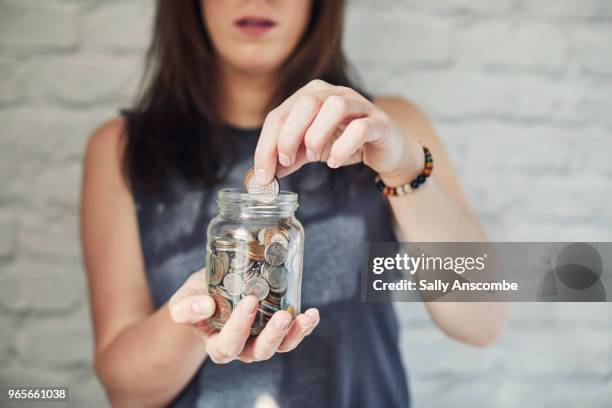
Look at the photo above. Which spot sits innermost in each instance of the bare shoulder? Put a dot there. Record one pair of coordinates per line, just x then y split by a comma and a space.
106, 141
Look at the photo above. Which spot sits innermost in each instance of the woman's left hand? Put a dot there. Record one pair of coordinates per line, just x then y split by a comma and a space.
336, 125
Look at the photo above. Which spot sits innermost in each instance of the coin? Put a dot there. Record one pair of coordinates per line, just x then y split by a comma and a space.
273, 234
255, 250
257, 287
222, 244
266, 193
234, 284
275, 253
223, 308
277, 278
240, 234
240, 262
219, 266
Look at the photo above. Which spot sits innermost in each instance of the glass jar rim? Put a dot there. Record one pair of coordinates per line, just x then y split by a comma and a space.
240, 196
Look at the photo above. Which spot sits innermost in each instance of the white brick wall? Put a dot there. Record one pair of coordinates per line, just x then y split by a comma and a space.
519, 90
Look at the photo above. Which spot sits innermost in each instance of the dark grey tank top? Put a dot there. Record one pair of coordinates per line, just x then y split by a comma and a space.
352, 358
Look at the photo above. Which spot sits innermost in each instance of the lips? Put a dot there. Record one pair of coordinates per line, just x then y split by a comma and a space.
255, 26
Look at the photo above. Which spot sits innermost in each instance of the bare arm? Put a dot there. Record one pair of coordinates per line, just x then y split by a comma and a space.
141, 355
337, 125
439, 212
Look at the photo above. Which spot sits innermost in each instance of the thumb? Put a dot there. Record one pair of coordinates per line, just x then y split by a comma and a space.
192, 309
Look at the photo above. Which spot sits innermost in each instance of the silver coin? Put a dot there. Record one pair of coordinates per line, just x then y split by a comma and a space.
277, 278
257, 287
280, 238
240, 234
234, 284
275, 253
240, 262
265, 193
223, 244
261, 235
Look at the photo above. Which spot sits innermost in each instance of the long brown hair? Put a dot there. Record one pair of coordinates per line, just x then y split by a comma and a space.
176, 126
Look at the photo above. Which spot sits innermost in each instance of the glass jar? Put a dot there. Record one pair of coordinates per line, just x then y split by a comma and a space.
254, 248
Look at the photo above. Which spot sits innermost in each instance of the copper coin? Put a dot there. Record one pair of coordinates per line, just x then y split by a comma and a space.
255, 251
223, 308
275, 234
218, 268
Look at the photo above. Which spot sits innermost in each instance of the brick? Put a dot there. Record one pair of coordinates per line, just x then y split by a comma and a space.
569, 8
8, 237
42, 144
7, 324
17, 373
555, 353
56, 134
88, 392
422, 344
55, 343
458, 94
464, 6
12, 82
44, 26
503, 45
131, 23
554, 230
591, 47
448, 392
407, 39
49, 234
45, 287
84, 80
564, 102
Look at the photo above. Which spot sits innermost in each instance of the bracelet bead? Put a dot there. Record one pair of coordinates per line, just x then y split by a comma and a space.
410, 186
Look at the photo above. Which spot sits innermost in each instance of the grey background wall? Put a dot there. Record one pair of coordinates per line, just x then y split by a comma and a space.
519, 90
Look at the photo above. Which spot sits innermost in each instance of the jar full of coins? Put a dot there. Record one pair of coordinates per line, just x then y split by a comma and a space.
254, 247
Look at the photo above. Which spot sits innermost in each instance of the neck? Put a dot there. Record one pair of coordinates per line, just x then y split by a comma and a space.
245, 97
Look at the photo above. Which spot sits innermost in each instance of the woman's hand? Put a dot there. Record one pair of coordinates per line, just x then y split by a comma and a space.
337, 125
191, 305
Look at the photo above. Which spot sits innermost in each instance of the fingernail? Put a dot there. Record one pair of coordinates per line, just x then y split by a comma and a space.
308, 327
200, 308
310, 155
314, 314
331, 162
284, 159
260, 176
249, 305
283, 324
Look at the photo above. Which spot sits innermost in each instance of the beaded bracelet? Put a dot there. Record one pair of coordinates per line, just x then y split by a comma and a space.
410, 186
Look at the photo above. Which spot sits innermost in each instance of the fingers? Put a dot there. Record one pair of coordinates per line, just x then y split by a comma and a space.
302, 326
308, 118
190, 302
335, 110
302, 113
265, 152
229, 342
358, 132
265, 345
192, 309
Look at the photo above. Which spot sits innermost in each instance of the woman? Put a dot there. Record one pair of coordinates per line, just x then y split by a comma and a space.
231, 82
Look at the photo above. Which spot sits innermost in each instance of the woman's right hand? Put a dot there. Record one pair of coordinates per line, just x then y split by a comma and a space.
192, 305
